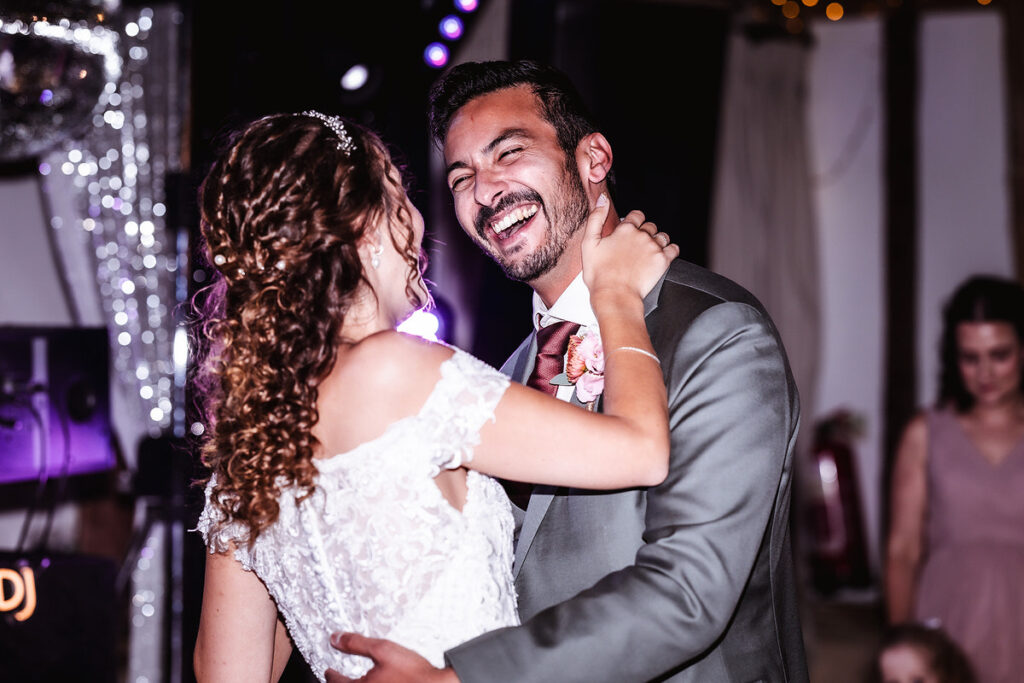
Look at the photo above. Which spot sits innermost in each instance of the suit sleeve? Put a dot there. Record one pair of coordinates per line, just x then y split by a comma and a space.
733, 411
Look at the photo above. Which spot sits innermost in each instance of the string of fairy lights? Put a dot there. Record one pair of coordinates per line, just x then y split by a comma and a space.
116, 171
795, 13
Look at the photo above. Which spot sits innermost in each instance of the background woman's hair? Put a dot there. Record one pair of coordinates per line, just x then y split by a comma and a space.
283, 212
946, 660
979, 299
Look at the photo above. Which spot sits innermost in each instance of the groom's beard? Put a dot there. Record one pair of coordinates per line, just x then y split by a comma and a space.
569, 212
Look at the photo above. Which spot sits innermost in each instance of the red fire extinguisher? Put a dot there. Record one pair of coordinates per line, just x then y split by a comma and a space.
838, 548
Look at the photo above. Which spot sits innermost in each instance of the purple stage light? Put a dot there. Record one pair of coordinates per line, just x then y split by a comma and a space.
467, 5
436, 55
54, 403
451, 27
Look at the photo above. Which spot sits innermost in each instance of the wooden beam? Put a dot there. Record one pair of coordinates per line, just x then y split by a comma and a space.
1013, 13
901, 92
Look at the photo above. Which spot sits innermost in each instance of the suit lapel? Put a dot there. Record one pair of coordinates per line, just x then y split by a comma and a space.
540, 501
520, 363
518, 368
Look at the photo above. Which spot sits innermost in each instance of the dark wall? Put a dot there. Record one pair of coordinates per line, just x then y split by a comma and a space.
651, 72
248, 62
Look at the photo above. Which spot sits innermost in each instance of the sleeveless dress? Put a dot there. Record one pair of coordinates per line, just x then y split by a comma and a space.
972, 580
378, 550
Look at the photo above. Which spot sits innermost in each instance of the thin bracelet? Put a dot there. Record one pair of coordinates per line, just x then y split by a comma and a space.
633, 348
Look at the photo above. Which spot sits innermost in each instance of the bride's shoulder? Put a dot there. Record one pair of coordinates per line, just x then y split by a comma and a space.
380, 379
397, 359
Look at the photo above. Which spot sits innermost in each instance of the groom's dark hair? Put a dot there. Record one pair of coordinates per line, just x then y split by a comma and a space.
561, 104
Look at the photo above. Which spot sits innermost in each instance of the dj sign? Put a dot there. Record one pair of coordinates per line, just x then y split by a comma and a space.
18, 592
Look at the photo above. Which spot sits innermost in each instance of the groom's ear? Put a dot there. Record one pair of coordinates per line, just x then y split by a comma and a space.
594, 158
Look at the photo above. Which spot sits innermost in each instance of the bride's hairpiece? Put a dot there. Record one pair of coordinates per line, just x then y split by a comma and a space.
345, 144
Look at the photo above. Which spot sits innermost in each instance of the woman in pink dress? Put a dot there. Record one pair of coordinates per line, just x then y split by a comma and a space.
956, 542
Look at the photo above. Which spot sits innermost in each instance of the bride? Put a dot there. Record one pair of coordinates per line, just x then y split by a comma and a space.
351, 465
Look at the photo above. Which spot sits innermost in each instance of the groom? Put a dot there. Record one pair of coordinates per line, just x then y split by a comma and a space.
691, 580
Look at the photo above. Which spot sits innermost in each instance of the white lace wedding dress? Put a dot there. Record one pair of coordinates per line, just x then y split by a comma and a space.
378, 550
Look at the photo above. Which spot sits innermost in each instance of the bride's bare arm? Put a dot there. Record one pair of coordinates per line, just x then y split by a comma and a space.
540, 439
534, 436
240, 636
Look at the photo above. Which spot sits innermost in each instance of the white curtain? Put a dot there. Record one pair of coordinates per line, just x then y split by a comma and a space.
764, 232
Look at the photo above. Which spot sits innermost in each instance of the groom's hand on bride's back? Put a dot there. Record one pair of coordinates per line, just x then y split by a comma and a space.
392, 663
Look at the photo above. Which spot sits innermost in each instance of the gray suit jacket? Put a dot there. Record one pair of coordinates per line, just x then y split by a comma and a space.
691, 580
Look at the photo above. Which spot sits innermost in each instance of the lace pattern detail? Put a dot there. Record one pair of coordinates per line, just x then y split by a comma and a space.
378, 550
218, 536
459, 410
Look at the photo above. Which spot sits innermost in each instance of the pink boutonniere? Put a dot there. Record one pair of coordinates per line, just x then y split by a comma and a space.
584, 366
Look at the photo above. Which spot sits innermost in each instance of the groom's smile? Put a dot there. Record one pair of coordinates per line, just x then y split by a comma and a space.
513, 215
508, 224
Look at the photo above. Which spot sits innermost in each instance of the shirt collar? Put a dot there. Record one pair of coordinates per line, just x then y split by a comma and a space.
572, 306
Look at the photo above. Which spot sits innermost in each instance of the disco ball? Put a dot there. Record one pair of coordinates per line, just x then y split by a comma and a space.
53, 74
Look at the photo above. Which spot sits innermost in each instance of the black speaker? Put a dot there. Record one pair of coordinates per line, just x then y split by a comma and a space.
54, 402
57, 619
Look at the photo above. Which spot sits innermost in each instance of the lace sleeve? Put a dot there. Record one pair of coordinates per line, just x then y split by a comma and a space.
219, 534
464, 400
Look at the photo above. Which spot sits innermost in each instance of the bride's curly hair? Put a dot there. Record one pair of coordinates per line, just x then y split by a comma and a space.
283, 212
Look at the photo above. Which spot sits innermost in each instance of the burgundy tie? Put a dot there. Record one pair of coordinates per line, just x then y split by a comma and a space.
552, 344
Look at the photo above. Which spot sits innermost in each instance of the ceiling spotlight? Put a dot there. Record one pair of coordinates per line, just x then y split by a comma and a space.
451, 27
355, 78
467, 5
436, 55
360, 83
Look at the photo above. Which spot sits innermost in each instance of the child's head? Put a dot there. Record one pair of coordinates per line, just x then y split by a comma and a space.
913, 653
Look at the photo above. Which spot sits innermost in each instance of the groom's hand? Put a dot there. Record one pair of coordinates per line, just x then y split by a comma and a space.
392, 663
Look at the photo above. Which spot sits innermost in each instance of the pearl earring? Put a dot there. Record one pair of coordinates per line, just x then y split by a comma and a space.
375, 255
